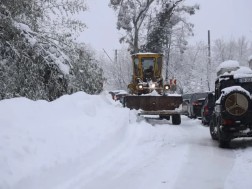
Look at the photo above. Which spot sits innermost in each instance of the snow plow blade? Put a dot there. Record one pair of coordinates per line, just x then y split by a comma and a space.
152, 103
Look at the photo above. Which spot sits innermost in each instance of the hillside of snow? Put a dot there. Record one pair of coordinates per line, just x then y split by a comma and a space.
89, 141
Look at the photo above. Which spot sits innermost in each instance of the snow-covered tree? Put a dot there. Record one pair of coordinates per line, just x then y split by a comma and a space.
163, 26
150, 18
31, 65
88, 75
193, 69
250, 61
41, 65
131, 18
244, 50
118, 72
168, 33
45, 15
233, 49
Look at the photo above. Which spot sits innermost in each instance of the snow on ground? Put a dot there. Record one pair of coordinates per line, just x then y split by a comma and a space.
83, 141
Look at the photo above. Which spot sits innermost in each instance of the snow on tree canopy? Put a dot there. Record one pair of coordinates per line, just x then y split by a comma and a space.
52, 53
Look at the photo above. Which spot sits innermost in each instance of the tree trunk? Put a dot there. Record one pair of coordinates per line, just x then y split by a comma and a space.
135, 43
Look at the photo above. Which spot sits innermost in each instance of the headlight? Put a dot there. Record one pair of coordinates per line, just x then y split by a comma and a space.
140, 86
166, 87
152, 85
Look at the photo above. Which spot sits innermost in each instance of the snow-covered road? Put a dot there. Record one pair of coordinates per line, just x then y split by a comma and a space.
174, 157
89, 142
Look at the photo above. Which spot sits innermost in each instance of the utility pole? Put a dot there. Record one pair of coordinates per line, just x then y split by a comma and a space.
116, 56
209, 61
120, 75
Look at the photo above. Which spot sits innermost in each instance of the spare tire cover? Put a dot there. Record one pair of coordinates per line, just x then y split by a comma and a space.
236, 103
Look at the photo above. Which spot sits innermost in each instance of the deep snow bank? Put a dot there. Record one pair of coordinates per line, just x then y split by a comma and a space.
36, 136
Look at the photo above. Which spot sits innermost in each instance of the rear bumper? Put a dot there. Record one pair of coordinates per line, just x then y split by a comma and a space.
197, 111
236, 131
161, 112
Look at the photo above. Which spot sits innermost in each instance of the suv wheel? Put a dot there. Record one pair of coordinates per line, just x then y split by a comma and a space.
224, 141
213, 130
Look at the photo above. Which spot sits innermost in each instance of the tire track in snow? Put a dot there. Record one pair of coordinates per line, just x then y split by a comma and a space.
67, 174
156, 169
207, 165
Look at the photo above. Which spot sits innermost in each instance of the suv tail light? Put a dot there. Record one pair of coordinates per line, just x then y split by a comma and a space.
206, 110
195, 103
228, 122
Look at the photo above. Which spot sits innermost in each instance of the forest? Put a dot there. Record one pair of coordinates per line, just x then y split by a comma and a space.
40, 57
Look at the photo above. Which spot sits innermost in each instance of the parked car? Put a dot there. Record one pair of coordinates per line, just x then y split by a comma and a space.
196, 107
195, 104
207, 109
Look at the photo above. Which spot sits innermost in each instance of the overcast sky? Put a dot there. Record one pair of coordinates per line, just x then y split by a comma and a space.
224, 18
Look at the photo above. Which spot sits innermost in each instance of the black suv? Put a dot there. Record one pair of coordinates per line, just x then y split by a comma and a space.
232, 116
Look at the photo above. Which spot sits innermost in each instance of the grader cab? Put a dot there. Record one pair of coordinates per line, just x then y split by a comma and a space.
148, 92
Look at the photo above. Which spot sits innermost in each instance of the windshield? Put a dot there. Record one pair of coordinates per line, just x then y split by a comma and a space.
148, 63
136, 66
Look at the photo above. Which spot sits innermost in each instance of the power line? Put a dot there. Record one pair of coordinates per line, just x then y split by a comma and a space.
108, 56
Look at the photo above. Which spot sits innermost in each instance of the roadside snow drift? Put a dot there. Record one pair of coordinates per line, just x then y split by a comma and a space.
59, 139
38, 135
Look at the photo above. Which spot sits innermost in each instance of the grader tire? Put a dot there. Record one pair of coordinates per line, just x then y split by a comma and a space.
176, 119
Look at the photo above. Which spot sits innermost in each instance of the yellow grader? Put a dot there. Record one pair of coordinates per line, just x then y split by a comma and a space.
148, 93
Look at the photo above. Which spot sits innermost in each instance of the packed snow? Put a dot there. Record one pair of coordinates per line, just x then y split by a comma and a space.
82, 141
